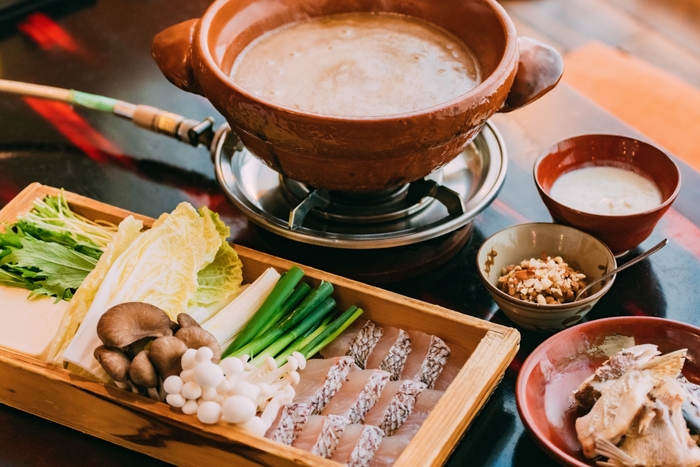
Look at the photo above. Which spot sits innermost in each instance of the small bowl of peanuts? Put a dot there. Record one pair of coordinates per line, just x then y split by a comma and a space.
534, 272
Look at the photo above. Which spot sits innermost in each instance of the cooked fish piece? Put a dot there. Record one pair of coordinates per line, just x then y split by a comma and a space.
691, 404
321, 379
391, 352
621, 401
589, 391
659, 436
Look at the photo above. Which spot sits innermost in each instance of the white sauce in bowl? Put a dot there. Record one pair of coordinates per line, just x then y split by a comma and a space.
606, 190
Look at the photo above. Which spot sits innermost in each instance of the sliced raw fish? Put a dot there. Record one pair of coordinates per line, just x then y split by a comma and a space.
358, 394
320, 380
458, 357
425, 402
340, 345
289, 423
395, 405
389, 450
427, 358
364, 343
321, 434
357, 445
391, 352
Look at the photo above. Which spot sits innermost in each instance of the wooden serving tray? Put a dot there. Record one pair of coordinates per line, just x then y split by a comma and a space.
154, 428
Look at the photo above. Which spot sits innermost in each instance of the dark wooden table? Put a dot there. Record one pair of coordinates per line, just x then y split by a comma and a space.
104, 48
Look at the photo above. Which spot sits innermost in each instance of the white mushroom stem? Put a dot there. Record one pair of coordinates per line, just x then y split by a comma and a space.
274, 375
290, 378
154, 394
268, 365
245, 358
274, 406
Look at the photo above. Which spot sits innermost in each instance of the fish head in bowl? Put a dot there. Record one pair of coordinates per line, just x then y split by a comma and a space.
581, 251
621, 232
555, 369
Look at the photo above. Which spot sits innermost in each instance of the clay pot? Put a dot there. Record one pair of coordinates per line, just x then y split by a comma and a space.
358, 154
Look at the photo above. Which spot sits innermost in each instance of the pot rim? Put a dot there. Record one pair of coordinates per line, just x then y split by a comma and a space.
510, 55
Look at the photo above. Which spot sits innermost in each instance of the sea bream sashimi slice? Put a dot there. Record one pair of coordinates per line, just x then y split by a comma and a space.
320, 380
357, 445
289, 423
340, 345
389, 450
390, 353
658, 437
321, 434
395, 405
425, 403
364, 343
458, 357
428, 357
357, 395
621, 401
589, 390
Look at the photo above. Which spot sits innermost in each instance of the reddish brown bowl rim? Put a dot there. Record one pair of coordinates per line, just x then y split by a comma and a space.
510, 54
535, 357
549, 151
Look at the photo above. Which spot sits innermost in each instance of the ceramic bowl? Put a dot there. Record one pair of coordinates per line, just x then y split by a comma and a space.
556, 368
619, 232
581, 251
367, 153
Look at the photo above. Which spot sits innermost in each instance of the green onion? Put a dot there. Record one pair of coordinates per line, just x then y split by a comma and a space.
281, 339
279, 294
310, 303
332, 331
297, 295
301, 341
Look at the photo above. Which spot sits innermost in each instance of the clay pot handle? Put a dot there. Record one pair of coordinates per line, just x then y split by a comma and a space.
539, 69
172, 51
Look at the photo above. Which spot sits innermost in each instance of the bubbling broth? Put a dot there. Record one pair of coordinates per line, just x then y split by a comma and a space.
357, 64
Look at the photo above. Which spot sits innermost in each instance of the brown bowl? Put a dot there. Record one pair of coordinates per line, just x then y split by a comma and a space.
551, 373
356, 153
619, 232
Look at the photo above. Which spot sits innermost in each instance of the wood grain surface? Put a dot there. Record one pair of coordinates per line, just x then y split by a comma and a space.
153, 428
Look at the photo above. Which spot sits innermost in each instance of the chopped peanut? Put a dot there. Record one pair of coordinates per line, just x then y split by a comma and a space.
546, 281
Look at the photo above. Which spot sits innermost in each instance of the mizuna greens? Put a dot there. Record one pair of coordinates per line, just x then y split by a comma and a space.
50, 250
